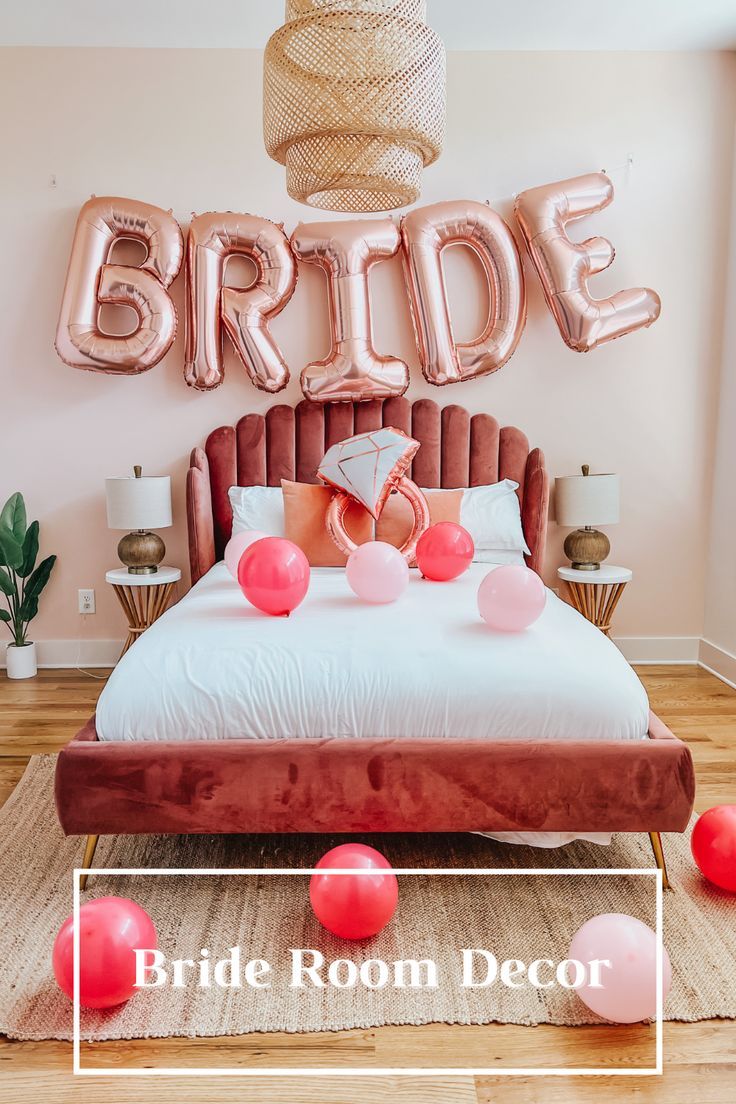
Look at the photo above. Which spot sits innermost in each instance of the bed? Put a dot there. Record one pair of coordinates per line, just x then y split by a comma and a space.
348, 718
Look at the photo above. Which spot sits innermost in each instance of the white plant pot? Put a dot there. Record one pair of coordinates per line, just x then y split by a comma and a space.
21, 661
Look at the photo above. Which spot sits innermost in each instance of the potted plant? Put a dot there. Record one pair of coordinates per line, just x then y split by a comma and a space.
21, 582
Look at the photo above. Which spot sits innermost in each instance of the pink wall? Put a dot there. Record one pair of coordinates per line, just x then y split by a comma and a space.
643, 406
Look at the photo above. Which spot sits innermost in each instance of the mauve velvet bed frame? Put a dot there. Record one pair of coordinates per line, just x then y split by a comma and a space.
369, 785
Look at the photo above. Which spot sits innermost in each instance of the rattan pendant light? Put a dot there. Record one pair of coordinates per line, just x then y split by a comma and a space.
354, 101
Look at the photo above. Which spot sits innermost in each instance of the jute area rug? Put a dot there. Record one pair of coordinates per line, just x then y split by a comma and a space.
514, 917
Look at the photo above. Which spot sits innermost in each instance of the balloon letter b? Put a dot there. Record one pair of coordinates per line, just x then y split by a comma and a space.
426, 231
353, 370
91, 281
564, 266
244, 312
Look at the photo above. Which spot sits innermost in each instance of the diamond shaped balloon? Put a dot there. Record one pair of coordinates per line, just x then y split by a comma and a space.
369, 465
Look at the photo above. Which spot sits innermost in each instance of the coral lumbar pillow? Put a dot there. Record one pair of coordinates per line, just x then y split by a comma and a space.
396, 522
305, 510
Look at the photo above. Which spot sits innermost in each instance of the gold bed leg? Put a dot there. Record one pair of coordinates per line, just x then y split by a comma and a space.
89, 854
656, 841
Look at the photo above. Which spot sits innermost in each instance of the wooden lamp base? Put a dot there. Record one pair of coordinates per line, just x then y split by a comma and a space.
141, 552
587, 548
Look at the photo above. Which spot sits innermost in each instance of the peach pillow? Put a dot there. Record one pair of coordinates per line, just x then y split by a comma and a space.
305, 507
394, 524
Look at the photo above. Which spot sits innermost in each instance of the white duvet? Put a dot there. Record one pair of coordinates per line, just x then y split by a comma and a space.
213, 668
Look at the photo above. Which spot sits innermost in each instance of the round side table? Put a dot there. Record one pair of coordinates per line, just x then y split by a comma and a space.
143, 597
595, 594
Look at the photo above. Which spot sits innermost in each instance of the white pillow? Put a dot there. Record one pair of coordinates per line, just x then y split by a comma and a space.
492, 516
258, 508
499, 556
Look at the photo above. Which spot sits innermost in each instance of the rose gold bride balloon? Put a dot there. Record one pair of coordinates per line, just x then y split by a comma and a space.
353, 371
426, 231
563, 266
91, 282
244, 312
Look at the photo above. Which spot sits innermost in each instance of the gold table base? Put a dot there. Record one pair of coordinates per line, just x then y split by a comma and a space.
596, 601
142, 606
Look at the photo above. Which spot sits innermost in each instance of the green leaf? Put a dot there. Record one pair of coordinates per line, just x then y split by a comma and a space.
4, 615
38, 580
28, 608
7, 585
11, 550
13, 517
30, 550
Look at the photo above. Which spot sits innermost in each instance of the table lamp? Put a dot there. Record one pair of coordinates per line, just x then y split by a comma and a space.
139, 503
585, 501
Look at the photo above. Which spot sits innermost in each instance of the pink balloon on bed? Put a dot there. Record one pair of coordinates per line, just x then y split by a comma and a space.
627, 993
237, 545
274, 575
444, 551
377, 572
511, 598
110, 931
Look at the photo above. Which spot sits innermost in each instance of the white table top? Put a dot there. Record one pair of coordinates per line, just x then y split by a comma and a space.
120, 576
606, 573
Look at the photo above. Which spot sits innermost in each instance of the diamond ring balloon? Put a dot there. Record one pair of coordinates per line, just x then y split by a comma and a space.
367, 468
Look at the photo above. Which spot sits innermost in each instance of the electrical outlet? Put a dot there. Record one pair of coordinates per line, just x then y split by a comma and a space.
86, 601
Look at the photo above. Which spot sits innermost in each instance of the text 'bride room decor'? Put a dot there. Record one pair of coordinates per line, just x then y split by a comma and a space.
353, 371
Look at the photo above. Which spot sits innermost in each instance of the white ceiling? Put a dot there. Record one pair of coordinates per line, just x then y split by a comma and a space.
463, 24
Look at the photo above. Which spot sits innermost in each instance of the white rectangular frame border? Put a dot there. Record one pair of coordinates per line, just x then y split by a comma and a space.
322, 1071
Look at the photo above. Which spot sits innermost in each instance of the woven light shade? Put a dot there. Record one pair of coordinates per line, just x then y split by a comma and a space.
354, 101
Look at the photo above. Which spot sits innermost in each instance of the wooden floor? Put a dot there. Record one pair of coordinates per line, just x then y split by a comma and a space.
700, 1059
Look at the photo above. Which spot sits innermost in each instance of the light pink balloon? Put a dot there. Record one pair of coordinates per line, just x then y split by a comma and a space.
628, 992
237, 545
511, 598
377, 572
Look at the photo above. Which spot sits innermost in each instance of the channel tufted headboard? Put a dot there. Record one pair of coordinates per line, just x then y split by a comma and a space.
457, 450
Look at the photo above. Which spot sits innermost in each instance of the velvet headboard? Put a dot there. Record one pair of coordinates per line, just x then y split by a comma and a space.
457, 450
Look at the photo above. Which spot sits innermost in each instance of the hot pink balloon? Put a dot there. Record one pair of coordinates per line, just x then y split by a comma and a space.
628, 990
110, 930
511, 598
445, 551
274, 575
237, 545
713, 844
354, 906
377, 572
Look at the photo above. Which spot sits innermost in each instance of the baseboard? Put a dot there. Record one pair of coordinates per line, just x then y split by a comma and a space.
659, 649
75, 653
718, 662
637, 649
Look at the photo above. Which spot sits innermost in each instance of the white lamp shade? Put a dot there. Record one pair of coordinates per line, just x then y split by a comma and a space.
587, 500
143, 503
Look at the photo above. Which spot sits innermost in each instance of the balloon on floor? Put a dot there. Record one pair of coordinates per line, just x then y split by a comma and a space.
627, 991
713, 844
110, 930
354, 906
